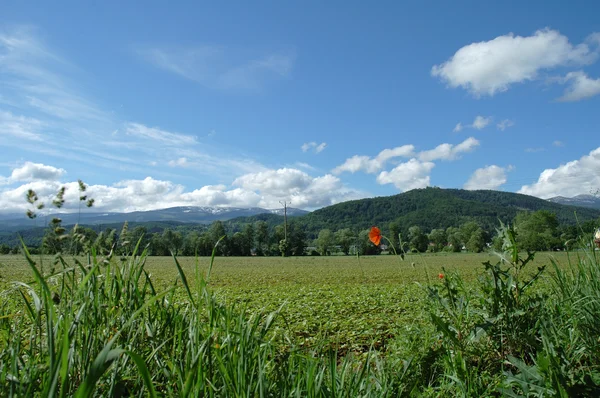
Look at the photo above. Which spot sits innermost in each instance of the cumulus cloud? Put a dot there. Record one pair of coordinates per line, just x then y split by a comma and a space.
409, 175
489, 177
489, 67
580, 87
373, 165
449, 151
318, 148
262, 189
458, 127
36, 172
573, 178
504, 124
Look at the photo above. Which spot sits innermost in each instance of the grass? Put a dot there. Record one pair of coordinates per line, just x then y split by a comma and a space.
309, 326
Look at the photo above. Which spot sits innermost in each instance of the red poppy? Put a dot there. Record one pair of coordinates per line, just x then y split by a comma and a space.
441, 276
375, 236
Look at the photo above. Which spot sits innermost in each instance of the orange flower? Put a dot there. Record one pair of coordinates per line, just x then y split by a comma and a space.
375, 236
441, 276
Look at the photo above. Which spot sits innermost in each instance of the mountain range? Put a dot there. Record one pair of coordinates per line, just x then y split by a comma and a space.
428, 208
187, 214
591, 201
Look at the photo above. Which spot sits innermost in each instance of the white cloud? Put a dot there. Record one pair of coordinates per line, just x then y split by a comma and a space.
218, 68
20, 127
263, 189
573, 178
489, 177
409, 175
558, 143
153, 133
181, 162
504, 124
449, 151
36, 172
373, 165
318, 148
481, 122
489, 67
581, 87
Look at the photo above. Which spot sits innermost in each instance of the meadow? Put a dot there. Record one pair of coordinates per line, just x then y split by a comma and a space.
431, 324
351, 303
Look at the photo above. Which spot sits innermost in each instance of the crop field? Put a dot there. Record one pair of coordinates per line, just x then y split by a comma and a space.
351, 303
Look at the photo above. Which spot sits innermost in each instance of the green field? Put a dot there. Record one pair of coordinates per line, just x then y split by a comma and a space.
351, 303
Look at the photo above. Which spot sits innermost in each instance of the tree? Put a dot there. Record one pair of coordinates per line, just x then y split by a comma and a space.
261, 237
395, 234
247, 244
172, 240
438, 238
417, 239
537, 230
296, 240
454, 239
345, 239
476, 242
158, 246
216, 232
325, 241
365, 246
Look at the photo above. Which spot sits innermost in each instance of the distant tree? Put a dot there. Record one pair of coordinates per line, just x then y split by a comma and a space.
296, 240
215, 232
4, 249
438, 238
158, 246
537, 230
395, 234
345, 238
325, 242
454, 239
261, 230
417, 239
476, 241
365, 246
172, 240
247, 244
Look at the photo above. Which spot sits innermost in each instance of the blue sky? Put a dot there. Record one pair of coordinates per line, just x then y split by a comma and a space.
246, 104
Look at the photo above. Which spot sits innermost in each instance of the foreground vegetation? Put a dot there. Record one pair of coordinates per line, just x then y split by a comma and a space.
120, 326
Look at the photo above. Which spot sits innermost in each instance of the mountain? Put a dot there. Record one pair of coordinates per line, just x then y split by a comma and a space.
437, 208
591, 201
188, 214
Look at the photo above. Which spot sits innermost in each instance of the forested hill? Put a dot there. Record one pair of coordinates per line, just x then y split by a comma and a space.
432, 208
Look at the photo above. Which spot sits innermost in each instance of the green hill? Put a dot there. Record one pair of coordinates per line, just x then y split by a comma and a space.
438, 208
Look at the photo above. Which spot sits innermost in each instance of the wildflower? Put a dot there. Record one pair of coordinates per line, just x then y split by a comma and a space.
375, 236
597, 237
441, 276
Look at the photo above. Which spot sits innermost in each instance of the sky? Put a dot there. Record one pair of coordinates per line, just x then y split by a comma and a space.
249, 104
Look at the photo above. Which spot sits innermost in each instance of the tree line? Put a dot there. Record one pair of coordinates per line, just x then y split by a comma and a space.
539, 230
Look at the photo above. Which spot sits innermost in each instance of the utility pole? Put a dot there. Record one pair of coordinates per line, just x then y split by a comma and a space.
284, 203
